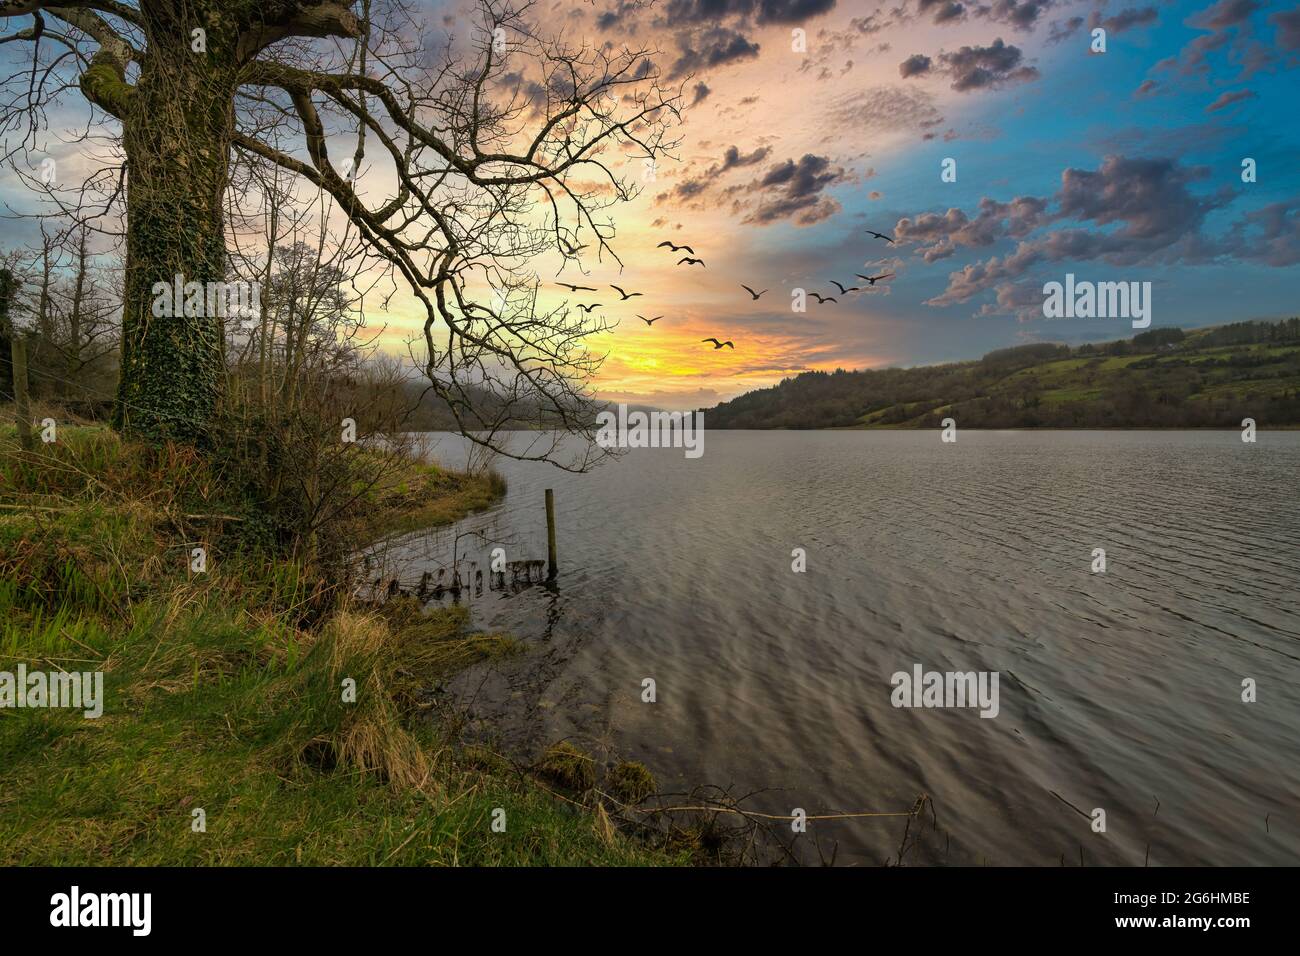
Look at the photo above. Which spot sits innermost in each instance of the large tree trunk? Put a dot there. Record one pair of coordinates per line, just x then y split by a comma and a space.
177, 138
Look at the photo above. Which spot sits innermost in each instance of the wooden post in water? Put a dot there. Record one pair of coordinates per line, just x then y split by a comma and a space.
551, 568
23, 412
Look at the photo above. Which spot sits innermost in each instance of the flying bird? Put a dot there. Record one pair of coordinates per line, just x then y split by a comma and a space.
880, 235
625, 295
588, 308
576, 288
842, 289
717, 345
689, 261
872, 280
674, 248
823, 298
751, 291
649, 321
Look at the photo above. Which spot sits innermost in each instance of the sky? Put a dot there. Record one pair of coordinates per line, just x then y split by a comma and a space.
1117, 166
812, 121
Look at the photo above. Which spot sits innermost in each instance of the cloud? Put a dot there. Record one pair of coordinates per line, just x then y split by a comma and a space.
1152, 214
795, 190
886, 109
1227, 25
677, 12
879, 20
1023, 300
732, 158
701, 92
1062, 30
975, 67
1227, 99
942, 11
1270, 235
940, 236
711, 48
1288, 28
1224, 14
1124, 20
914, 65
1016, 14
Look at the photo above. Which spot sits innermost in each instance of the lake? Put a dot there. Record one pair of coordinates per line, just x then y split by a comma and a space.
1120, 691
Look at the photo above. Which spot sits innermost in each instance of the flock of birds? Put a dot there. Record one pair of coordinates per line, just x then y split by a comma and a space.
691, 260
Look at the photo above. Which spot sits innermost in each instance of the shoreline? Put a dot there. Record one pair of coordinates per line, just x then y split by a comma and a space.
237, 730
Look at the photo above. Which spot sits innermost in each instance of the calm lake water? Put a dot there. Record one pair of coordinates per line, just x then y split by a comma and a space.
1120, 691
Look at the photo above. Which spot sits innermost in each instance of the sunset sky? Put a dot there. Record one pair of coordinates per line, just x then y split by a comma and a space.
1116, 167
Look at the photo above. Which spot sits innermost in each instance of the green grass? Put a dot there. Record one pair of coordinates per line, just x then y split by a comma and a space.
218, 698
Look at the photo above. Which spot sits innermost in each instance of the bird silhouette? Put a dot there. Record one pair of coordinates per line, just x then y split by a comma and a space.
879, 235
649, 321
843, 290
675, 248
625, 295
823, 298
751, 291
872, 280
588, 308
576, 288
689, 261
572, 250
717, 345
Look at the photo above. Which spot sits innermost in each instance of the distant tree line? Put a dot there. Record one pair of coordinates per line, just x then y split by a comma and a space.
1163, 378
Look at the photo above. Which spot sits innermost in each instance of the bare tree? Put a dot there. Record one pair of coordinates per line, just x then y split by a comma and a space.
494, 150
68, 301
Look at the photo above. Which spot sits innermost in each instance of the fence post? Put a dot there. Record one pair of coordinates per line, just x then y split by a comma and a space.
551, 568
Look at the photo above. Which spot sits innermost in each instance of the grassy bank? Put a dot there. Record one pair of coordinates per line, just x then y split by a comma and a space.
225, 690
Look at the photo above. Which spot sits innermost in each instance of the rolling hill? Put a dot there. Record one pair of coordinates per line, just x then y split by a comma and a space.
1164, 378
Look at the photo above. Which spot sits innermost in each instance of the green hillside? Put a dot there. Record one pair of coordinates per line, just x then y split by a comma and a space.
1164, 378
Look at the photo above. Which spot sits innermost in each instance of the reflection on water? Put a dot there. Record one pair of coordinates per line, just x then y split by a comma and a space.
1119, 691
